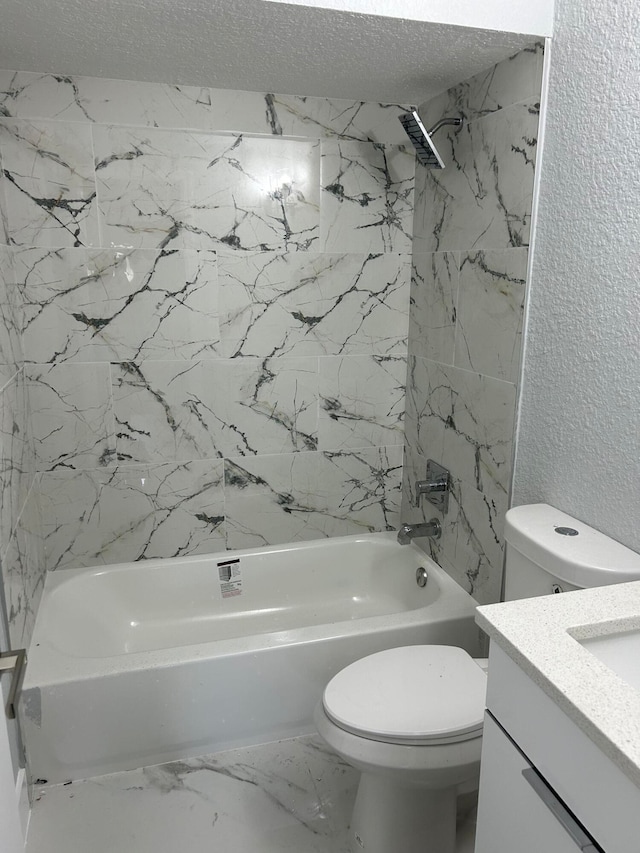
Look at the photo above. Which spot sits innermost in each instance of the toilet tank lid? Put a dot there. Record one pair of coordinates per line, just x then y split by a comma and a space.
585, 559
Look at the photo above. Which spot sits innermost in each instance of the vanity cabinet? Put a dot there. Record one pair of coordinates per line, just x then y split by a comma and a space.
545, 787
519, 811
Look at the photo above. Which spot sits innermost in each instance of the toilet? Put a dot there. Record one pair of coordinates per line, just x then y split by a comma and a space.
410, 718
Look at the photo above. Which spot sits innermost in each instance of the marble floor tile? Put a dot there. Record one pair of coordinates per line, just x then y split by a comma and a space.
292, 796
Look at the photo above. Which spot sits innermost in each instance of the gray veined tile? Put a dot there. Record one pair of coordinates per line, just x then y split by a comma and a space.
167, 410
463, 420
434, 302
361, 490
17, 468
483, 198
361, 401
10, 339
367, 197
4, 226
270, 405
133, 513
117, 305
330, 117
471, 548
272, 499
490, 312
313, 304
48, 183
173, 410
160, 188
127, 102
297, 497
23, 572
428, 406
93, 99
71, 415
515, 79
17, 462
292, 796
478, 431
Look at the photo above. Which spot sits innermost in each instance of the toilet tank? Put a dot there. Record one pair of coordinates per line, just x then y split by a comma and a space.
549, 551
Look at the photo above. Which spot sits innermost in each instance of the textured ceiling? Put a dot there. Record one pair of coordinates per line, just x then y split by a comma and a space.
247, 44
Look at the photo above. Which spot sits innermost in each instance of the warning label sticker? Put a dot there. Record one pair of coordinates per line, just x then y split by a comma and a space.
230, 577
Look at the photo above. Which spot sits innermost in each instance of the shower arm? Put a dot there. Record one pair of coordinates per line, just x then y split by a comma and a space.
456, 122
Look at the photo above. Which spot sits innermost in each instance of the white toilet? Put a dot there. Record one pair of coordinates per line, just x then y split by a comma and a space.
410, 718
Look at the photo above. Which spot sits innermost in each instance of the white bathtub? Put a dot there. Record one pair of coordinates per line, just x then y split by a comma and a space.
141, 663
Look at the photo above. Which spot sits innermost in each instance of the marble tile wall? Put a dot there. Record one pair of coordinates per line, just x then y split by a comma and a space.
212, 290
471, 234
21, 563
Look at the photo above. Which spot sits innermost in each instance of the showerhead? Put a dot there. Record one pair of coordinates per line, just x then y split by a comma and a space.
426, 151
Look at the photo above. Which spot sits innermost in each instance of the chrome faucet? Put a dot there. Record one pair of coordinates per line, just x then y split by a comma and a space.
435, 488
431, 528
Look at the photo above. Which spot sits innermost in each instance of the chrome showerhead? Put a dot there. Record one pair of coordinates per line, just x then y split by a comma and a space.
426, 151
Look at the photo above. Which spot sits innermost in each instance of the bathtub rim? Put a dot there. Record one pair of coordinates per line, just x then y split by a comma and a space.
48, 666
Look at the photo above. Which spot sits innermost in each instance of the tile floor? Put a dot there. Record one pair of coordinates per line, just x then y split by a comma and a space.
293, 795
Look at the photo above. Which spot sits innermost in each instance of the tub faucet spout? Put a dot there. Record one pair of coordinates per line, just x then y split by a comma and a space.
431, 528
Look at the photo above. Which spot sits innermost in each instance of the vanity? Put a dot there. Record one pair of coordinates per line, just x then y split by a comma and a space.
560, 766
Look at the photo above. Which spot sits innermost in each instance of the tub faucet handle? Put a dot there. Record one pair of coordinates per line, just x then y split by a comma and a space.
435, 487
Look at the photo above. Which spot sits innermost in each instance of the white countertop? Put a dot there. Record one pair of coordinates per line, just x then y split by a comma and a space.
541, 635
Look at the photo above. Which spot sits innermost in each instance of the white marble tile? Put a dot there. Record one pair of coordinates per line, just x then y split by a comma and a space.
173, 410
272, 499
361, 401
48, 183
483, 198
160, 188
428, 405
23, 572
462, 420
313, 304
515, 79
71, 415
296, 497
117, 305
93, 99
434, 302
328, 117
31, 95
292, 796
10, 338
473, 540
270, 405
471, 548
367, 197
138, 512
361, 490
4, 225
478, 432
490, 312
17, 458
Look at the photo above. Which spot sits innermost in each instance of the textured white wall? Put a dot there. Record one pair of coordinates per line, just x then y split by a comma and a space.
579, 439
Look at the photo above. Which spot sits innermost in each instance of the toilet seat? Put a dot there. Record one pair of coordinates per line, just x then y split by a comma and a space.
413, 695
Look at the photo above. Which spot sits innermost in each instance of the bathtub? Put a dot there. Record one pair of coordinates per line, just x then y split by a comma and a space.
142, 663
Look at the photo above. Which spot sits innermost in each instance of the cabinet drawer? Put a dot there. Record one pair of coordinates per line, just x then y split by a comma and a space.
517, 810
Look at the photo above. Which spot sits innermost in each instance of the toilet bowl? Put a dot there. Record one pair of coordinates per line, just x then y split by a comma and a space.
410, 719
